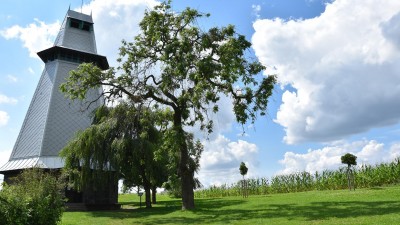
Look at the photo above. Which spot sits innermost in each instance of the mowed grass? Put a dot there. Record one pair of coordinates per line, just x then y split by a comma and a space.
364, 206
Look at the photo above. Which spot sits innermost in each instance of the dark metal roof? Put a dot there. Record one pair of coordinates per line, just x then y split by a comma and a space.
57, 52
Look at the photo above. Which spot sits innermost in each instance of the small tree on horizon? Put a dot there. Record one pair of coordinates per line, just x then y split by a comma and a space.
243, 171
349, 160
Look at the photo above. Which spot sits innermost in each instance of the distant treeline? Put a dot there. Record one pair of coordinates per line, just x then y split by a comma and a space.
365, 176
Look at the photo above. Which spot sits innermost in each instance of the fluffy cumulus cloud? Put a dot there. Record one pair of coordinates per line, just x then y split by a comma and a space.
368, 152
342, 67
221, 159
35, 36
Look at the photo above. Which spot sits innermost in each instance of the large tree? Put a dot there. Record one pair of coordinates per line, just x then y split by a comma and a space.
175, 64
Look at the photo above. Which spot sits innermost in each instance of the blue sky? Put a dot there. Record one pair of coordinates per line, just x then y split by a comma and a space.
336, 64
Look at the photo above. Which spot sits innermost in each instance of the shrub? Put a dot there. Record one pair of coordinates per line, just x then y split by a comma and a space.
34, 198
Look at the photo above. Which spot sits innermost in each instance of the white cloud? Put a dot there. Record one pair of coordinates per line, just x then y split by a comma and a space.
221, 159
35, 36
368, 152
343, 66
394, 151
12, 78
7, 100
4, 117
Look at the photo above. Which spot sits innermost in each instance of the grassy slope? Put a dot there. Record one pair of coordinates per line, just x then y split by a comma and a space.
364, 206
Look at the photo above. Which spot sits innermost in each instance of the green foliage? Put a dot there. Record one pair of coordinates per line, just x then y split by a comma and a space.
175, 65
195, 149
123, 139
35, 197
349, 159
243, 169
173, 186
365, 177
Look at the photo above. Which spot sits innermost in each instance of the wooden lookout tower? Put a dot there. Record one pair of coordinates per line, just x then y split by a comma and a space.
52, 120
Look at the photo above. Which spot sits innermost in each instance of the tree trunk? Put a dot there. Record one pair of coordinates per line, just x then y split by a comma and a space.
154, 195
147, 188
184, 172
348, 177
245, 188
187, 191
148, 195
186, 178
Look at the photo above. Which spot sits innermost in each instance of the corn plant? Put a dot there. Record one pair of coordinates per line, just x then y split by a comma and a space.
365, 176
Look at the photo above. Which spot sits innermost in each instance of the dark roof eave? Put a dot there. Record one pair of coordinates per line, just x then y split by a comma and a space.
99, 59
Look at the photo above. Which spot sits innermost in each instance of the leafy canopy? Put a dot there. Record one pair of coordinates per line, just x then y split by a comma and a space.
243, 169
121, 139
175, 65
349, 159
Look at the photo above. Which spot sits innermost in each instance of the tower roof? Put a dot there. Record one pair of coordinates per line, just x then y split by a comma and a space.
72, 55
77, 32
79, 16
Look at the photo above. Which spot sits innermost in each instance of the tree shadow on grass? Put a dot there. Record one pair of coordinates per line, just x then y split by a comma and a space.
159, 214
225, 210
316, 211
326, 210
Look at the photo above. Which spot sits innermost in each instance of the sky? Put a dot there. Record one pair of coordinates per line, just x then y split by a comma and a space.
336, 63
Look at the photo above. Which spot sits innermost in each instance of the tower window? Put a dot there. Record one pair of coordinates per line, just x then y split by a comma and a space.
80, 24
74, 23
86, 26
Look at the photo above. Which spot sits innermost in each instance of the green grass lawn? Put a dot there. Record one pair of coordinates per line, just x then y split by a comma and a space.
364, 206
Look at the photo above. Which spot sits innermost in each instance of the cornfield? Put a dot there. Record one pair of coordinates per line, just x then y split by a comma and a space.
365, 176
